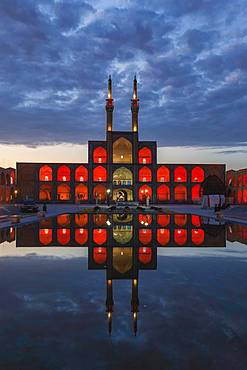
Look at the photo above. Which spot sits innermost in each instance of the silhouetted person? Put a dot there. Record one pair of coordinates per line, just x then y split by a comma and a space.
44, 207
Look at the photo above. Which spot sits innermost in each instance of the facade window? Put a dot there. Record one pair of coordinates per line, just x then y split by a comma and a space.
81, 192
81, 236
122, 151
99, 193
99, 255
122, 176
63, 173
45, 236
81, 174
145, 236
145, 174
81, 219
195, 220
144, 219
163, 236
99, 174
163, 193
197, 236
63, 236
163, 174
63, 220
63, 192
145, 255
145, 156
197, 174
100, 219
99, 155
100, 236
180, 220
144, 192
163, 220
45, 173
180, 193
45, 192
180, 174
180, 236
195, 192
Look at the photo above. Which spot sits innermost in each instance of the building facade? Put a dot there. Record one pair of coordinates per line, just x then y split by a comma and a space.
7, 185
120, 168
236, 182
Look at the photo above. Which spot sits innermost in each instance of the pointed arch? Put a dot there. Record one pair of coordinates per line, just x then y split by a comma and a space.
197, 236
100, 236
180, 174
81, 192
145, 255
63, 236
63, 173
122, 151
63, 192
145, 174
163, 236
180, 193
145, 236
195, 192
81, 236
99, 155
45, 236
197, 174
99, 174
163, 193
81, 174
144, 191
145, 155
180, 236
99, 255
99, 192
45, 192
122, 176
45, 173
163, 174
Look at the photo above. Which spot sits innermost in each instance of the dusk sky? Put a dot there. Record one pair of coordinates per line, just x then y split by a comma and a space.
190, 57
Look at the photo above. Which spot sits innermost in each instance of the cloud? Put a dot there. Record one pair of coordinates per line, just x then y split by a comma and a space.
190, 58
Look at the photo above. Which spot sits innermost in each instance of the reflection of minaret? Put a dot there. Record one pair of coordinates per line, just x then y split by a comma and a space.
109, 304
134, 303
109, 106
134, 107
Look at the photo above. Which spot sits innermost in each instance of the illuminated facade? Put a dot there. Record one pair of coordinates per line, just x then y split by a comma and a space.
120, 168
236, 182
7, 185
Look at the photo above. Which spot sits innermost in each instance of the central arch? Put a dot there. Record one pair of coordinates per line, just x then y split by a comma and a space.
122, 176
122, 195
122, 151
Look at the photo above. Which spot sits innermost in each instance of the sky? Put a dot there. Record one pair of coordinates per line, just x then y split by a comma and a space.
190, 57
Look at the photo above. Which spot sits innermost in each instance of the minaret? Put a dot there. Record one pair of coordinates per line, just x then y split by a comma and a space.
109, 106
134, 303
134, 107
109, 304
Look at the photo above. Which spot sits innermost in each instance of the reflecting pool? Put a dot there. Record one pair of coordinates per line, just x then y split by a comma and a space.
123, 291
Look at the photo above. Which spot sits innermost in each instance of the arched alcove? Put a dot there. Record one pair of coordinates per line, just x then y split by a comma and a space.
145, 155
122, 151
163, 174
122, 176
145, 174
81, 174
45, 173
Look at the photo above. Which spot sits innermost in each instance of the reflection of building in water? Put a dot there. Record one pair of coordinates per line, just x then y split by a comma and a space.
237, 233
120, 168
161, 230
7, 235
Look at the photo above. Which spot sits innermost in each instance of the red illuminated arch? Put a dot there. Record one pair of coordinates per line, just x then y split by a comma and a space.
145, 155
145, 220
245, 196
180, 220
63, 192
195, 220
99, 173
81, 192
197, 174
81, 236
45, 192
12, 177
100, 219
63, 173
81, 219
163, 174
163, 193
180, 174
195, 192
145, 174
63, 236
81, 174
45, 236
145, 255
197, 236
145, 191
99, 255
180, 193
45, 173
99, 155
63, 220
145, 236
180, 236
99, 192
163, 236
99, 236
163, 220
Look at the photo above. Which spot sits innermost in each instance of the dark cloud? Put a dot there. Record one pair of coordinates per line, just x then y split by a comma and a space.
190, 58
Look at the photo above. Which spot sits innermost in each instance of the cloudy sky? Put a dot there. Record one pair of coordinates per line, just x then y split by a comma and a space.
190, 57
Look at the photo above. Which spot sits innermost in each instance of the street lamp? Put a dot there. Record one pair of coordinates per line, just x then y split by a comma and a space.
108, 192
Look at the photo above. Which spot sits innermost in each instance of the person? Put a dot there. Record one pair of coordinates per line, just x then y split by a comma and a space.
44, 207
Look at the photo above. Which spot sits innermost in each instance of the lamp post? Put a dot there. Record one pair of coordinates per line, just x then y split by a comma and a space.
16, 193
108, 192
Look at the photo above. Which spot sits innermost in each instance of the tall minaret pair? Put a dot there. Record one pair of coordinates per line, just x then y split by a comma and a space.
110, 107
